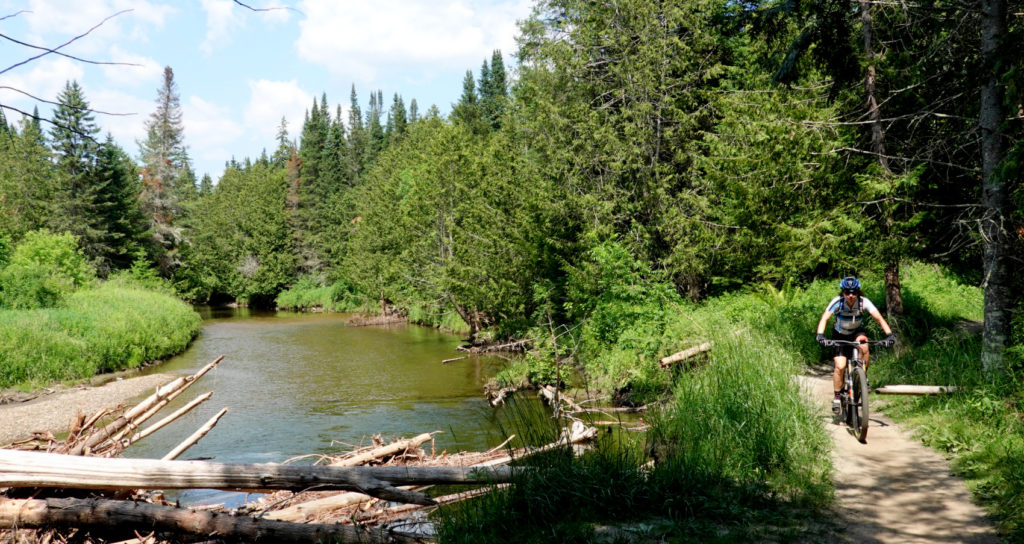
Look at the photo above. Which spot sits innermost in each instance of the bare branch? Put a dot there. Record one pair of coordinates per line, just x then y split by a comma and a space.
248, 7
72, 57
55, 49
52, 103
15, 14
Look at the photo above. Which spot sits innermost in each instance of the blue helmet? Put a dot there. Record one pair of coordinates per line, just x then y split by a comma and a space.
849, 283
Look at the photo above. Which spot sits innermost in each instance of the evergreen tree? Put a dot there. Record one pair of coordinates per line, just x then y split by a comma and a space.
376, 135
357, 139
126, 235
73, 140
414, 112
284, 145
167, 174
493, 90
398, 118
467, 110
205, 185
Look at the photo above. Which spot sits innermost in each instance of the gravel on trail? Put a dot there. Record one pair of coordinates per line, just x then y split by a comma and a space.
55, 411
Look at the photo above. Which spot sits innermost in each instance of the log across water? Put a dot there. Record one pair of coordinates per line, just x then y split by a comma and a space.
37, 469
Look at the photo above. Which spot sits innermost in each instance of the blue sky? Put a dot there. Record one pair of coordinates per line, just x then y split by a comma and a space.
239, 71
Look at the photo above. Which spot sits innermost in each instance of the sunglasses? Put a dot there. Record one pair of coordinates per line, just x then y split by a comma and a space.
845, 292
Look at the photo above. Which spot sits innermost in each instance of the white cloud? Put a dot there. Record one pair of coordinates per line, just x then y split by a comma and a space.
210, 132
354, 38
44, 80
147, 72
268, 101
56, 21
223, 17
128, 125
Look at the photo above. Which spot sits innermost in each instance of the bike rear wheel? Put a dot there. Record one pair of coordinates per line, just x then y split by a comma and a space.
859, 406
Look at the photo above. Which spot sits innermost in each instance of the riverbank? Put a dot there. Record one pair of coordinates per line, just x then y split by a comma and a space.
115, 325
54, 409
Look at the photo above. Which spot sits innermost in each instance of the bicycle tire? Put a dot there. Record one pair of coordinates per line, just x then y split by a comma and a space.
862, 412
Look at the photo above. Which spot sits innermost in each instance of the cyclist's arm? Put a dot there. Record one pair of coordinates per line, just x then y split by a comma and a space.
824, 321
881, 321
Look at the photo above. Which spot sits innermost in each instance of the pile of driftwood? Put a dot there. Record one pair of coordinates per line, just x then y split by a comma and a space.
78, 490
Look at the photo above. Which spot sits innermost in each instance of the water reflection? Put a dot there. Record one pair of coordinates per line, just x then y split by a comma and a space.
297, 384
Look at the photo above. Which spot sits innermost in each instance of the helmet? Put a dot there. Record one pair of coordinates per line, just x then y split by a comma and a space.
849, 283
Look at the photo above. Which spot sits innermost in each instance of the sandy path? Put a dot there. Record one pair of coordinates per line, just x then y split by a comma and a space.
893, 489
55, 412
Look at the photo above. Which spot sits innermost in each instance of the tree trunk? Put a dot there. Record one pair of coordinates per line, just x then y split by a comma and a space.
145, 517
893, 296
994, 199
37, 469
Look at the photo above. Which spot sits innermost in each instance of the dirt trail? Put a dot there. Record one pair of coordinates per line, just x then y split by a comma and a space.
893, 489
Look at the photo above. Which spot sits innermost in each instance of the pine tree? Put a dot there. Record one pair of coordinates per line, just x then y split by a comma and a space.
167, 174
398, 118
205, 185
493, 90
467, 110
357, 139
73, 140
376, 136
126, 233
414, 112
284, 145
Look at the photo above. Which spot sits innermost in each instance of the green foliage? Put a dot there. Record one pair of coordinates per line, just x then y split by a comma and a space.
113, 326
43, 270
308, 294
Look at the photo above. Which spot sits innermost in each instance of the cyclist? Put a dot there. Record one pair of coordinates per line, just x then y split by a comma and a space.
849, 308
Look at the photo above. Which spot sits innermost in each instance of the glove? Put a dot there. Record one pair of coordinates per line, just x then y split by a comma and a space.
889, 340
821, 339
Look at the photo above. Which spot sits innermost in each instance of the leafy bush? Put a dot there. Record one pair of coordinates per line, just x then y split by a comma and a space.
43, 269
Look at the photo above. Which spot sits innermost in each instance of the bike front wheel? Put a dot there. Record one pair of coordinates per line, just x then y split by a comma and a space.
860, 404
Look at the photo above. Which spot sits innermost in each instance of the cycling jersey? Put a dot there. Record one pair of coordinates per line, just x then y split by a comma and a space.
848, 319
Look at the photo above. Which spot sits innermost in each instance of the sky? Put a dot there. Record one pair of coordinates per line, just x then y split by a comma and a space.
238, 71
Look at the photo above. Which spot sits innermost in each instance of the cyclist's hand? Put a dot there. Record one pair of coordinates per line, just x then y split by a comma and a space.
821, 339
889, 340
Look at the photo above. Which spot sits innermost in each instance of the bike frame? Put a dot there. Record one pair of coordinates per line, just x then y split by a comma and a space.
853, 410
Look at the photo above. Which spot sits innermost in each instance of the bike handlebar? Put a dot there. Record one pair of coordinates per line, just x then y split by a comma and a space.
883, 343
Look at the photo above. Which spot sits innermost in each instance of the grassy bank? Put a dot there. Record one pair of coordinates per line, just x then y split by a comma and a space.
740, 455
113, 326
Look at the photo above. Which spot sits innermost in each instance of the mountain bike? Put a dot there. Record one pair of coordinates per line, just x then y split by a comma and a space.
853, 397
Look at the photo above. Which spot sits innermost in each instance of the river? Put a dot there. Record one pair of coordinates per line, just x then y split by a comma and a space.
298, 384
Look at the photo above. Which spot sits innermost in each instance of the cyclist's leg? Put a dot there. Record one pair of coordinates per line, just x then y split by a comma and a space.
865, 354
837, 372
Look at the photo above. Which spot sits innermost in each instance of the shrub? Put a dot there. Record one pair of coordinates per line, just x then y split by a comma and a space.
43, 269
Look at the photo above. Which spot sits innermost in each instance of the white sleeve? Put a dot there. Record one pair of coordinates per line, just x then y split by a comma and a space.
869, 306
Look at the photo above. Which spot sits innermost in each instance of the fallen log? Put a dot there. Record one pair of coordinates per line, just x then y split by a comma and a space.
195, 437
50, 513
383, 451
160, 397
167, 420
685, 354
38, 469
916, 389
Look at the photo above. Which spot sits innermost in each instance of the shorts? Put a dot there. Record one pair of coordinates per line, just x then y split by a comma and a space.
846, 350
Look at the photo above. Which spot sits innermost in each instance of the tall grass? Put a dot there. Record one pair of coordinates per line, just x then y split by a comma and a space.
739, 450
113, 326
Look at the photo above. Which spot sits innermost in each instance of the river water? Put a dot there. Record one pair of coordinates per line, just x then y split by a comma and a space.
298, 384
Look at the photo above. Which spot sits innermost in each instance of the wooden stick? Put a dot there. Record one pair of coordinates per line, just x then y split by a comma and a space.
916, 389
38, 469
685, 354
167, 420
161, 394
383, 451
446, 361
48, 513
196, 436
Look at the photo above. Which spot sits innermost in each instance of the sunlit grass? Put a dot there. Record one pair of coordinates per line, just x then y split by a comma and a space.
99, 329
